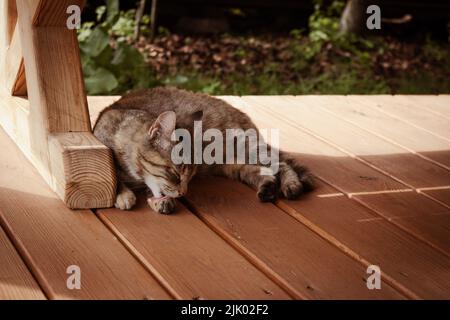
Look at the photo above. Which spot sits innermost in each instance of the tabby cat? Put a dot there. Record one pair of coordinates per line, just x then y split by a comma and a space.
138, 129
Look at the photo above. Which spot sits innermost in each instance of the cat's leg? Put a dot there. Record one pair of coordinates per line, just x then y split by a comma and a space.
290, 185
125, 198
266, 185
294, 177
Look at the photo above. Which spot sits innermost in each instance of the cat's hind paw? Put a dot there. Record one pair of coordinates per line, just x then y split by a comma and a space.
268, 191
292, 189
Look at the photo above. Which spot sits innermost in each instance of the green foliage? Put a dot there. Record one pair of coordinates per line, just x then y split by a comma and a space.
314, 61
110, 64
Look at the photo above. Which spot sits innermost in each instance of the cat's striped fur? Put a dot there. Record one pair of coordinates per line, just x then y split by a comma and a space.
138, 128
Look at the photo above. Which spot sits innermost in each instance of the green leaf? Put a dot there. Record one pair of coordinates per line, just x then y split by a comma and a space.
96, 42
128, 56
100, 11
112, 10
100, 82
85, 31
88, 65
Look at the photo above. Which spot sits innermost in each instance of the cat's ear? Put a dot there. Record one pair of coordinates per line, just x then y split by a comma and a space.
163, 125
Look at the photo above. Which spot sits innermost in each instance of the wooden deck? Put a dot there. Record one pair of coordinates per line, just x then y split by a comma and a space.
383, 169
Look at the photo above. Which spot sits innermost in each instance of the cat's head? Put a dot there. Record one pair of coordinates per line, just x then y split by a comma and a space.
161, 175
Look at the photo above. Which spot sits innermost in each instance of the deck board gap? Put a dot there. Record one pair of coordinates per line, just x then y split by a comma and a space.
389, 140
342, 247
136, 254
22, 258
350, 154
253, 259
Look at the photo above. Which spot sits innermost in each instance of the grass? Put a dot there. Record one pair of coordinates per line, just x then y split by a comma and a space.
320, 60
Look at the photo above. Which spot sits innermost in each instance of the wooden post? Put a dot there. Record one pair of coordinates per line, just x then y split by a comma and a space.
53, 129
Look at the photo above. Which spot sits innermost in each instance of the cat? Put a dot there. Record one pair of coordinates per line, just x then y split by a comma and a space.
138, 129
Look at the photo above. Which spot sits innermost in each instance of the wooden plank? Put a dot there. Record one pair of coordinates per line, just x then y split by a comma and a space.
406, 110
190, 258
421, 216
15, 120
343, 171
387, 157
11, 61
364, 114
293, 140
97, 103
51, 238
82, 169
16, 281
406, 262
440, 104
14, 68
274, 240
442, 195
11, 18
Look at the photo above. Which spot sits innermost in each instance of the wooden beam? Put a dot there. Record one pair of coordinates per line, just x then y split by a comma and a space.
53, 128
50, 13
11, 18
82, 170
54, 76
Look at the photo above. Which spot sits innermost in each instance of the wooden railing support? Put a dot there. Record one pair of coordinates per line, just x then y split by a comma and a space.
52, 128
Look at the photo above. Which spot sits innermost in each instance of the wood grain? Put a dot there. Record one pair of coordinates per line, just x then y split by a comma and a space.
423, 217
50, 13
276, 241
403, 250
364, 114
62, 100
190, 258
57, 106
16, 282
442, 195
82, 170
338, 168
385, 156
11, 18
51, 237
410, 111
407, 263
439, 105
14, 68
423, 227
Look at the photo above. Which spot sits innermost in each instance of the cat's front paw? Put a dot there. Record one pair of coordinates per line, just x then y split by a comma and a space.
125, 200
164, 205
268, 191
